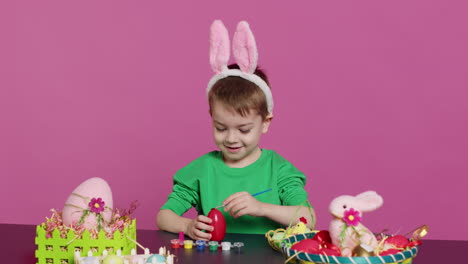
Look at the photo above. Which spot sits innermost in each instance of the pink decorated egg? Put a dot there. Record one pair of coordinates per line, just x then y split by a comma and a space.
91, 198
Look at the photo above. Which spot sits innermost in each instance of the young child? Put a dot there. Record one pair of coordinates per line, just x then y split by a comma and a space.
241, 107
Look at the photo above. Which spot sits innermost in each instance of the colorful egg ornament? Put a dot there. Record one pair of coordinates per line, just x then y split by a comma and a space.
156, 258
89, 203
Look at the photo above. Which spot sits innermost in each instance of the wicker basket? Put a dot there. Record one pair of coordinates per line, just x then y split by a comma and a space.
276, 237
403, 257
273, 241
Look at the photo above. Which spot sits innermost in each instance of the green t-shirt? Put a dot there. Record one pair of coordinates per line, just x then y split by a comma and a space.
206, 182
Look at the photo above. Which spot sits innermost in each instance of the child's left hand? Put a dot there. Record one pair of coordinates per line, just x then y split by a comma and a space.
242, 203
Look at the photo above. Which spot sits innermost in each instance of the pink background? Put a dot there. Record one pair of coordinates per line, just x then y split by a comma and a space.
370, 95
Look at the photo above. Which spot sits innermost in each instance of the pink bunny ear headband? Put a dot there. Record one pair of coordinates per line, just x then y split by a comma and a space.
245, 53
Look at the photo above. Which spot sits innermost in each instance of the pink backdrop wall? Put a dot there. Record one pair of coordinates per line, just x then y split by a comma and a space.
370, 95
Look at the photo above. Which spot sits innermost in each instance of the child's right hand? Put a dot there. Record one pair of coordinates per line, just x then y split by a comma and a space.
196, 225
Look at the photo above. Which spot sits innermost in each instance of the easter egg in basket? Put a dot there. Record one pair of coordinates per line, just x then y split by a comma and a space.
307, 245
397, 241
327, 253
318, 244
219, 224
323, 236
89, 202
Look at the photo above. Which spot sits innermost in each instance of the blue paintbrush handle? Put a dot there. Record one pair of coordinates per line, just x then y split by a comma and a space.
255, 194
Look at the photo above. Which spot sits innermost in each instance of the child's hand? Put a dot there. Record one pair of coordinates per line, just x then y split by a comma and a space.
196, 225
242, 203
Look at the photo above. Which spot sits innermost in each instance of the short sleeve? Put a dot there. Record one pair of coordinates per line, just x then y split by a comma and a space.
185, 193
291, 183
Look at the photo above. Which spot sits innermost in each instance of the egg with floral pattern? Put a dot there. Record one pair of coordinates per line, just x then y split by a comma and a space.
89, 204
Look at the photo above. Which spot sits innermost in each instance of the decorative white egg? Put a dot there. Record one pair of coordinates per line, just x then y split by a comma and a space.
85, 200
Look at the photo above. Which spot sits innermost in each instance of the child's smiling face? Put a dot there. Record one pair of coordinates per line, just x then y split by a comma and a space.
237, 136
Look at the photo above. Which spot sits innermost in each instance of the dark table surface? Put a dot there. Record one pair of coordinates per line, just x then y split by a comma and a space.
17, 247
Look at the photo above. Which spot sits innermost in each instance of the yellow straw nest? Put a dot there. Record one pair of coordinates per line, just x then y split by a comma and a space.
276, 237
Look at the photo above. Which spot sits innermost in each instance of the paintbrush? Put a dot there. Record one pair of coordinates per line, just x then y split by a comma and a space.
255, 194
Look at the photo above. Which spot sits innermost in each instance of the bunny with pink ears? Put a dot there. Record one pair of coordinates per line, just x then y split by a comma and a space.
346, 230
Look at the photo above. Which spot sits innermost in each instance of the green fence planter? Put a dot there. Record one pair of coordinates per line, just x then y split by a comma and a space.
58, 250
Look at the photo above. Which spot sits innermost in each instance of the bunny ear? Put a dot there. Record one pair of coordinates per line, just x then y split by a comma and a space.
368, 201
244, 48
219, 46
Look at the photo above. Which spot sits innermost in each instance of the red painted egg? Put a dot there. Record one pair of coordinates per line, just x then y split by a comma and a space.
398, 241
332, 247
322, 236
307, 245
414, 243
391, 251
219, 224
330, 252
313, 246
326, 245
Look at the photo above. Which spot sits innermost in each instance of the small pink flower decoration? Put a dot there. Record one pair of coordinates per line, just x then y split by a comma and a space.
120, 220
351, 217
96, 205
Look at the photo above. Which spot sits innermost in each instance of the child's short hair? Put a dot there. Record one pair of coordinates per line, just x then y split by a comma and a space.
240, 94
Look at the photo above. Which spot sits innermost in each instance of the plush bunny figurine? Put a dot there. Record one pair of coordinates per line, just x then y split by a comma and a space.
346, 231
